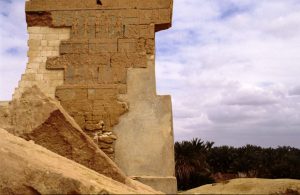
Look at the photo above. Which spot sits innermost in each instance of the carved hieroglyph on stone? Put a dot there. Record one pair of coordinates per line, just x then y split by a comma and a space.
98, 59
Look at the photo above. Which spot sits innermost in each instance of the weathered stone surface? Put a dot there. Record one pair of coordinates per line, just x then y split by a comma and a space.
41, 119
144, 148
82, 52
39, 19
125, 27
43, 44
5, 119
29, 169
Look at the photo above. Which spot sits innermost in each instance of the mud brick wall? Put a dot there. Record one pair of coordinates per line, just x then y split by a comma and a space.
84, 50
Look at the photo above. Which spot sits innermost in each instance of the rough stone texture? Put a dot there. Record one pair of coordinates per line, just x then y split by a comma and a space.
5, 119
29, 169
250, 186
105, 40
39, 19
81, 52
43, 43
37, 117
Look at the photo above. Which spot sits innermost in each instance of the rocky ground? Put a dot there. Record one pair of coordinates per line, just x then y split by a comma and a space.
251, 186
27, 168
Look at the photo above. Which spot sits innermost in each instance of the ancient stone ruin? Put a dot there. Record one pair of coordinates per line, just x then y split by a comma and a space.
91, 75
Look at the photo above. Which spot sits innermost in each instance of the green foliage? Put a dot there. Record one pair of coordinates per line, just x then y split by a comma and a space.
221, 159
197, 160
192, 169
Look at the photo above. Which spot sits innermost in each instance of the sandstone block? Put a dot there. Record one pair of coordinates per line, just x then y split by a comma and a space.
52, 43
127, 45
68, 47
34, 44
35, 36
44, 42
132, 31
34, 30
28, 77
33, 53
29, 70
101, 44
105, 75
41, 119
71, 94
103, 145
51, 37
106, 139
64, 36
56, 63
108, 150
165, 16
139, 31
154, 4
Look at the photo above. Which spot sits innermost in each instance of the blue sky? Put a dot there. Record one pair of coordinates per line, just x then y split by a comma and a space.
231, 66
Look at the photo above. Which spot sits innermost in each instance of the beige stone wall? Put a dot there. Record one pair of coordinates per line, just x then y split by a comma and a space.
102, 70
106, 39
43, 43
144, 148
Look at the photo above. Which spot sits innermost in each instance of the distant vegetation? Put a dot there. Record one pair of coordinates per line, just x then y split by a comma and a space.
199, 163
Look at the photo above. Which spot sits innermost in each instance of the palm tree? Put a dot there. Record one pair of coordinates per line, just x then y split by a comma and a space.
192, 169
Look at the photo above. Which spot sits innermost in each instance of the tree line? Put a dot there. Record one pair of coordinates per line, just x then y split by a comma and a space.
197, 162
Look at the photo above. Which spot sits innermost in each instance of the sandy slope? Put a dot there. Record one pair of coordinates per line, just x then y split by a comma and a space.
27, 168
248, 186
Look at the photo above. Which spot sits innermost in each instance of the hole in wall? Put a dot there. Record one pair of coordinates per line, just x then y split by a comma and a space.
99, 2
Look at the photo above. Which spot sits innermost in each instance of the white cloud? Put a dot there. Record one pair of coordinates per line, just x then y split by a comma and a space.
295, 91
232, 68
236, 65
249, 97
13, 46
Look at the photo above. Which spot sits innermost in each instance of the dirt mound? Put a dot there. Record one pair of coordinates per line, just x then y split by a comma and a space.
250, 186
27, 168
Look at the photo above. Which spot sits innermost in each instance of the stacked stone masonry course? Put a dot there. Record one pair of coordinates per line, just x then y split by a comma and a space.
43, 43
97, 57
87, 66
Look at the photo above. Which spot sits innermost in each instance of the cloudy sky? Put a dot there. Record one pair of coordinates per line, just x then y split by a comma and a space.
231, 66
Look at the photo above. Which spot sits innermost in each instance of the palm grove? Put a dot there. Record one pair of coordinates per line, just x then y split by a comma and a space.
199, 162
